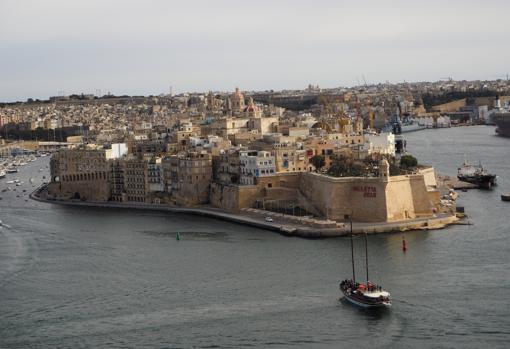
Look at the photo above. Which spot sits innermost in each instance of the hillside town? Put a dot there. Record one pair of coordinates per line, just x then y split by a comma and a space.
328, 154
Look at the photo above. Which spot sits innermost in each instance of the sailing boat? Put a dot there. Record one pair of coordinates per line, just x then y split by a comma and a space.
367, 295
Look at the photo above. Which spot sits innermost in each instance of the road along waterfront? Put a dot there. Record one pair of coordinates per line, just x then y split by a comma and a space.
286, 225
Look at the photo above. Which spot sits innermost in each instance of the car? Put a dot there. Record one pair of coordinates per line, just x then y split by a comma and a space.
269, 219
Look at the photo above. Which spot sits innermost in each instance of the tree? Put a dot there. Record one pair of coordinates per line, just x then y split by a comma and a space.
318, 161
408, 162
341, 166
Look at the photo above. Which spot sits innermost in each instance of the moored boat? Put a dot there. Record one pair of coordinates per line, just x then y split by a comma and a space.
476, 175
505, 197
502, 121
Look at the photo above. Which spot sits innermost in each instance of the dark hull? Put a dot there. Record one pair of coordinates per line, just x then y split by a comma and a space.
483, 181
502, 122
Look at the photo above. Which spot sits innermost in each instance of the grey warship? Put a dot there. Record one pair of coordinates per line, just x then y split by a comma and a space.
502, 121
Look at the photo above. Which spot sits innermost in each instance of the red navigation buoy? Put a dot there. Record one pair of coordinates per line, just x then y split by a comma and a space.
404, 246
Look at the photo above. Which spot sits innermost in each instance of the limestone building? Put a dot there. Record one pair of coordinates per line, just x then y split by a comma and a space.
118, 192
135, 179
188, 177
255, 164
80, 174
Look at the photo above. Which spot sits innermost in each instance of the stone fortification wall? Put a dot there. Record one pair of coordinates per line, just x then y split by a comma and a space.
369, 199
407, 197
233, 197
92, 190
236, 197
429, 174
283, 180
399, 199
337, 197
420, 194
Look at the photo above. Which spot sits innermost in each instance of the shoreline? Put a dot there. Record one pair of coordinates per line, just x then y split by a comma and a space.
429, 223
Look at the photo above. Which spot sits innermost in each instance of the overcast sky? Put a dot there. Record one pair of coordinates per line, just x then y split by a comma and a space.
144, 47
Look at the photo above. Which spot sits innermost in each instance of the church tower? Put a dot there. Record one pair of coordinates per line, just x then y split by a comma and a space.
237, 100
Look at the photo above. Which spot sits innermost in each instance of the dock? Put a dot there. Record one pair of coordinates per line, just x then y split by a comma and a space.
454, 183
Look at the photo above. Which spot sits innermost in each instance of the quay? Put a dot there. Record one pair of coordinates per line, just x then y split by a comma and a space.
283, 224
456, 184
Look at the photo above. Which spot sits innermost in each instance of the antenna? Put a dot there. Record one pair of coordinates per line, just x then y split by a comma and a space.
352, 252
366, 255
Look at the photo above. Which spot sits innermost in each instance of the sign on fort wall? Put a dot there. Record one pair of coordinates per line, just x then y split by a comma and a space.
368, 191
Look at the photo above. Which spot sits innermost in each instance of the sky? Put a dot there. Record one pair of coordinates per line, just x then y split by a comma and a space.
140, 47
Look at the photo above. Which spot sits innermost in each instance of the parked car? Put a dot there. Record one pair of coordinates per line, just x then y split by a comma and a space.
269, 219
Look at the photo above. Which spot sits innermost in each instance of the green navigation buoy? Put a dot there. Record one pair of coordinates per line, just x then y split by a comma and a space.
178, 236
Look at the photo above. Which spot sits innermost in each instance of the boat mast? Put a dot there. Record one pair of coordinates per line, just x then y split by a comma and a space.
352, 253
366, 255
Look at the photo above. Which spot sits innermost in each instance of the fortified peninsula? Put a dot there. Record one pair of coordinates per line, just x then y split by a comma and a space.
254, 164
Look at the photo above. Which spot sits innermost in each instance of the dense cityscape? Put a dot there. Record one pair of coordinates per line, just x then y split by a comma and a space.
227, 151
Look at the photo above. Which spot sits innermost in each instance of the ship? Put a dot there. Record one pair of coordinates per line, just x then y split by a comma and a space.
502, 121
476, 175
366, 295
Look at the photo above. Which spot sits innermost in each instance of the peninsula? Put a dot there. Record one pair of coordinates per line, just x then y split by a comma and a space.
254, 164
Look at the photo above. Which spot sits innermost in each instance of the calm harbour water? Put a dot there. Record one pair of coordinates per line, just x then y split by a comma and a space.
74, 277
